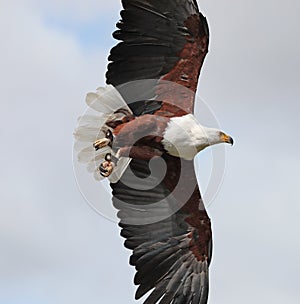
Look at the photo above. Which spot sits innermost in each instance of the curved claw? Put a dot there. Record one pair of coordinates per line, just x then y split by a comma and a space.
106, 168
101, 143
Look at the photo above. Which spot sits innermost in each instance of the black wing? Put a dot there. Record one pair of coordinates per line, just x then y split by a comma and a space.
168, 230
163, 41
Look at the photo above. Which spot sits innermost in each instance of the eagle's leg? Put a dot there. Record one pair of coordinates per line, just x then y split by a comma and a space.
103, 142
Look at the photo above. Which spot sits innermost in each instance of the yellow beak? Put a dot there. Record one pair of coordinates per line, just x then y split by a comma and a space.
226, 139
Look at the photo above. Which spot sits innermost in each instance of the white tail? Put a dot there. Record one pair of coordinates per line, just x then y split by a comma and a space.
92, 126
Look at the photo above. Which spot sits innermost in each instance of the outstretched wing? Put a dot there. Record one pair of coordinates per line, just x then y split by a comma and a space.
166, 226
163, 41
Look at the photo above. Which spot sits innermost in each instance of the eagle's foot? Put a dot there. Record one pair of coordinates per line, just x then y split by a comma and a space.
103, 142
106, 168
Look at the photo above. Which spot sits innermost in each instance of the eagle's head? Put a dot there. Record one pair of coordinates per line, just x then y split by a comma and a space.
212, 136
185, 137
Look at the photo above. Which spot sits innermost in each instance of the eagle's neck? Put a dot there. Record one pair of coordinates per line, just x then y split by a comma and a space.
185, 137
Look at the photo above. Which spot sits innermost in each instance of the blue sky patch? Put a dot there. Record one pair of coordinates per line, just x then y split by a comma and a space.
95, 34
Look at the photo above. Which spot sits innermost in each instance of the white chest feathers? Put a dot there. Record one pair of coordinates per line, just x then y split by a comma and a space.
184, 137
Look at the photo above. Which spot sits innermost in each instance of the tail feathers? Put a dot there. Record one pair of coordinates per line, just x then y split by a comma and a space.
93, 121
106, 100
92, 126
89, 154
88, 134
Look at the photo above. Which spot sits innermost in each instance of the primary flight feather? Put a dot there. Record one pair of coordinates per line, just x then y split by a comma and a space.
144, 137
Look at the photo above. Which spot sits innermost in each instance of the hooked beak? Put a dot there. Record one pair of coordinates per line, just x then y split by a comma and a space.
226, 139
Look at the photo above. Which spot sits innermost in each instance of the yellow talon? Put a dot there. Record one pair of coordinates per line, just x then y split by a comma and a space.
106, 168
101, 143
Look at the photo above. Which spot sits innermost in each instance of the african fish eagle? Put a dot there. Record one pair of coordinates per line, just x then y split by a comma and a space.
143, 137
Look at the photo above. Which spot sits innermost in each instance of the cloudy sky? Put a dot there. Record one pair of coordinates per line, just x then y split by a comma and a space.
54, 247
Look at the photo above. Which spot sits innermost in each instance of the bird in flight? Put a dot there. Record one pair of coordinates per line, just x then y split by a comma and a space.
142, 136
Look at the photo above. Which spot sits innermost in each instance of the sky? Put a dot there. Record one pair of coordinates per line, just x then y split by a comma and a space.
54, 247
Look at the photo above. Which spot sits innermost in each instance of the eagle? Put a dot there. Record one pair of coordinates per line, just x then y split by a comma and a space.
140, 133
